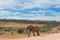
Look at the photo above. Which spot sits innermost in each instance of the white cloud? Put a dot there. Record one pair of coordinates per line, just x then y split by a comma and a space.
25, 4
4, 13
7, 4
29, 15
13, 17
40, 4
57, 6
55, 1
42, 12
54, 18
37, 3
9, 15
41, 15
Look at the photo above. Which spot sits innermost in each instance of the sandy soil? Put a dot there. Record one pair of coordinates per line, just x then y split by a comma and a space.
42, 37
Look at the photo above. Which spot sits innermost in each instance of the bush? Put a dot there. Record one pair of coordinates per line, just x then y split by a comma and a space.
45, 28
7, 29
20, 30
13, 32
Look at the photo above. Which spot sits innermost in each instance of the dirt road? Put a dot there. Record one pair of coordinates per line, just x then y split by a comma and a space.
42, 37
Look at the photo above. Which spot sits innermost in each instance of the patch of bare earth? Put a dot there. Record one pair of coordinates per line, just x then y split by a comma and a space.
41, 37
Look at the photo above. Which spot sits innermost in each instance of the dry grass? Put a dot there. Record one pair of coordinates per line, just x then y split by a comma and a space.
17, 25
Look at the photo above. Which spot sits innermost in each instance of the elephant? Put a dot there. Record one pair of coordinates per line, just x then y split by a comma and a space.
33, 29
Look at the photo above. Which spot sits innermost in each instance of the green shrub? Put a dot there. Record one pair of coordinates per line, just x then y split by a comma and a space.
13, 32
45, 28
7, 29
1, 28
20, 30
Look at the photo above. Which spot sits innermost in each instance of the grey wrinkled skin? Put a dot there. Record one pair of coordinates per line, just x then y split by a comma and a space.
33, 29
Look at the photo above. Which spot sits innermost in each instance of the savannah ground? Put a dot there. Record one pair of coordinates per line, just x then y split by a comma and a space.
42, 37
13, 35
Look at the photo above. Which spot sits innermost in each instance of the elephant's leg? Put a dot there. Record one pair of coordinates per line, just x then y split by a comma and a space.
34, 34
29, 33
38, 34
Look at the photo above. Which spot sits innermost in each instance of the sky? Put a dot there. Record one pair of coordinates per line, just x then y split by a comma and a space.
30, 9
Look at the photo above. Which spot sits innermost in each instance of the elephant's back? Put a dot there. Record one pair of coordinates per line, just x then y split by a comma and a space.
35, 28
